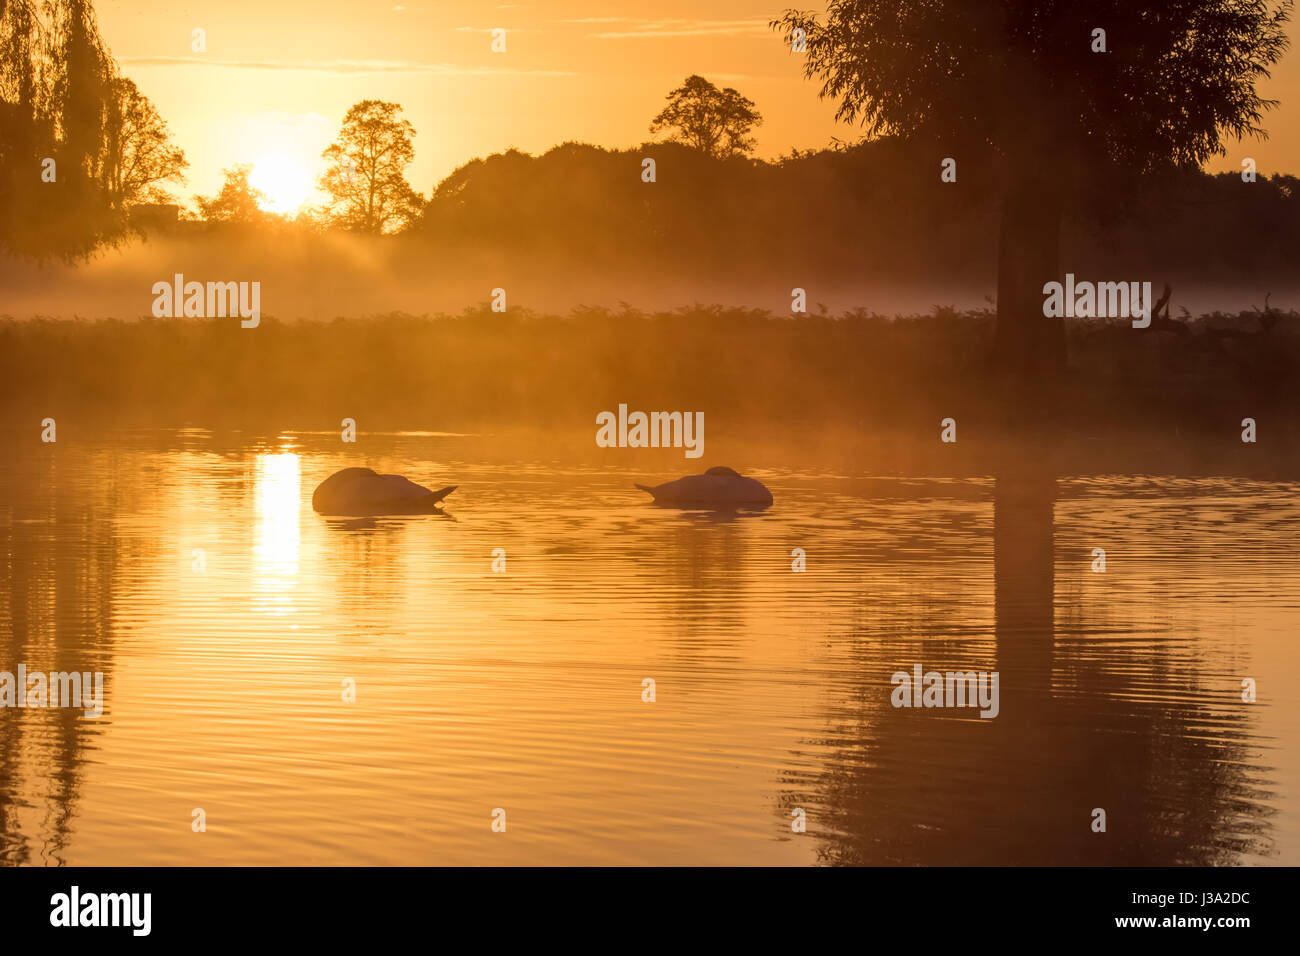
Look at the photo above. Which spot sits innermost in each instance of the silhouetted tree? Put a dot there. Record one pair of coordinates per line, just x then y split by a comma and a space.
82, 88
55, 87
1023, 77
238, 200
366, 179
716, 122
138, 153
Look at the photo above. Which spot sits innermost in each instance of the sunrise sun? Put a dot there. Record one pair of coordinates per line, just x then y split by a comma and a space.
283, 181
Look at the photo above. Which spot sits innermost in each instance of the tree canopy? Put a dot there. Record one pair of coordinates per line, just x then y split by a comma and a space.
55, 88
1030, 77
237, 201
138, 155
716, 122
366, 179
78, 142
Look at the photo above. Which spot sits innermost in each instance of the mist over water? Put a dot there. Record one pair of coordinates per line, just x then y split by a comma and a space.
314, 276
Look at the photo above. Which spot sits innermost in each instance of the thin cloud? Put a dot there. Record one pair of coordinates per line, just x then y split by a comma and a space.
336, 66
678, 28
490, 29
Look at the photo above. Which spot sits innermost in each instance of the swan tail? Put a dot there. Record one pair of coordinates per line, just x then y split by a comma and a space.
442, 492
648, 490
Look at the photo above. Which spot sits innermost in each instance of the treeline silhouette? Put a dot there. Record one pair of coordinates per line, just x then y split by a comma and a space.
873, 209
877, 207
80, 146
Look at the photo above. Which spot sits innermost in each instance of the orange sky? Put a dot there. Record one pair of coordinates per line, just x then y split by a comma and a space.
278, 75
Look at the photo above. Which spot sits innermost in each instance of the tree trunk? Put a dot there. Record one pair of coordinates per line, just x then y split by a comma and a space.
1027, 344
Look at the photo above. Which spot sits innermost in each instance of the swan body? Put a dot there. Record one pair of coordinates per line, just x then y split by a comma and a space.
361, 491
717, 486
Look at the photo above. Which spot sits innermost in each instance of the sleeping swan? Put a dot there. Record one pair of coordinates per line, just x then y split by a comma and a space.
717, 486
360, 491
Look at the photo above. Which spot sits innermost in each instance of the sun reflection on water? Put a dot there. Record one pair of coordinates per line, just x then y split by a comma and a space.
277, 496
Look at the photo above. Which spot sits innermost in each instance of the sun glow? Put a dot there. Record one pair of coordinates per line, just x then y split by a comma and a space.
283, 181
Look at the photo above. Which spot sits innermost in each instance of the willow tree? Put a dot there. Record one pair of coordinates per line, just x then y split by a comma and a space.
56, 87
1065, 92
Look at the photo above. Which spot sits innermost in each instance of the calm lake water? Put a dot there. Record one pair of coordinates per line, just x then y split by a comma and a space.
224, 670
